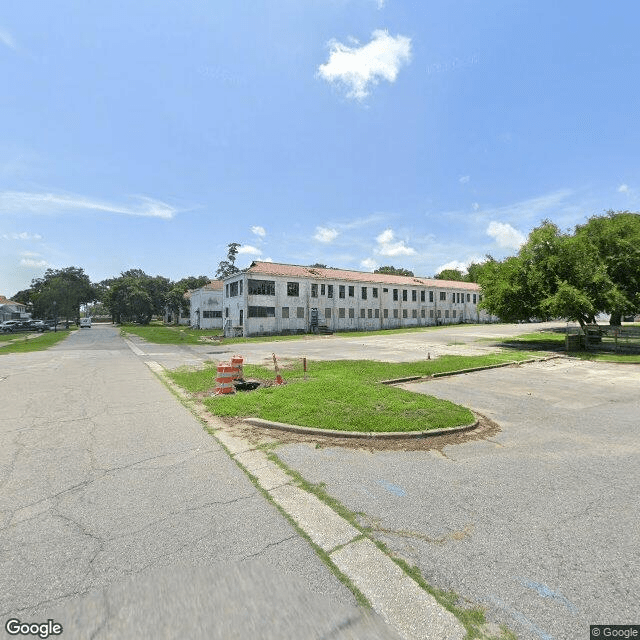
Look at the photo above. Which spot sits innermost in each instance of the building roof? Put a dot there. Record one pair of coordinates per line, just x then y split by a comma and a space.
214, 285
297, 271
4, 300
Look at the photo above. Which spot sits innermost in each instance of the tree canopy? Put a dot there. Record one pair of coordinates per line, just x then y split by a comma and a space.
450, 274
228, 267
564, 275
394, 271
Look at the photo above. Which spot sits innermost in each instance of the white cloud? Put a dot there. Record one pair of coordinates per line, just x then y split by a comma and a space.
7, 39
259, 231
505, 235
325, 234
29, 254
387, 247
369, 264
249, 250
475, 206
464, 179
267, 259
623, 188
36, 264
51, 203
454, 264
22, 236
381, 3
360, 68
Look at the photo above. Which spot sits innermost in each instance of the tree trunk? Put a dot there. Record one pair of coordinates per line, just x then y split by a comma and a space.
616, 319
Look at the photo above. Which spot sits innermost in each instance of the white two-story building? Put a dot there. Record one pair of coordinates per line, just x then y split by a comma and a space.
272, 298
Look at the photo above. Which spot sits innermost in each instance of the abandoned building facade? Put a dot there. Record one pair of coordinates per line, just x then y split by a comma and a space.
206, 306
272, 298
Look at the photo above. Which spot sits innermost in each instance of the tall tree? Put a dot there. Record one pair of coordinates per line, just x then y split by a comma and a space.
393, 271
228, 267
175, 297
61, 291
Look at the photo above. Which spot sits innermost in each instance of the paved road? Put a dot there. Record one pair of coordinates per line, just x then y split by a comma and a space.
399, 347
123, 517
539, 522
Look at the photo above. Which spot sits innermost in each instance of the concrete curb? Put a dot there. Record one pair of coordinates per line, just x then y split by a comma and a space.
312, 431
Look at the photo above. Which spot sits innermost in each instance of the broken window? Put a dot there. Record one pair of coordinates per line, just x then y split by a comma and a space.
364, 293
395, 295
352, 292
293, 289
341, 312
262, 312
374, 292
341, 291
261, 287
414, 295
329, 291
314, 290
404, 295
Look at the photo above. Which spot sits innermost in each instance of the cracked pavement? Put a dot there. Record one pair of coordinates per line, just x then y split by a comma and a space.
113, 498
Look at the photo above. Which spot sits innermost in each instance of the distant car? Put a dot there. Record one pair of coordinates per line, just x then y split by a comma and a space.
9, 326
85, 323
37, 325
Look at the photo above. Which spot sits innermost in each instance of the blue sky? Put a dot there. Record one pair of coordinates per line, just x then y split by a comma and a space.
355, 133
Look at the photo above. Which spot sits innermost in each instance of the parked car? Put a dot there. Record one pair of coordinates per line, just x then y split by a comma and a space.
85, 323
37, 325
9, 326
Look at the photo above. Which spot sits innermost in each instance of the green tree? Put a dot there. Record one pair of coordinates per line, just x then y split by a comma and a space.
228, 267
175, 298
475, 269
616, 238
450, 274
61, 292
393, 271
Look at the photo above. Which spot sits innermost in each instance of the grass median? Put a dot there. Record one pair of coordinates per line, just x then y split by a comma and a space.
29, 342
343, 395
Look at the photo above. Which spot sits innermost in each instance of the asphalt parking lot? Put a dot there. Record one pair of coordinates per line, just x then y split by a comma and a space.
538, 522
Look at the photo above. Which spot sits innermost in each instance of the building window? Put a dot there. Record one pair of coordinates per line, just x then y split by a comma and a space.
321, 289
414, 313
395, 295
352, 312
341, 291
363, 312
446, 313
327, 312
329, 291
414, 295
285, 312
226, 290
404, 313
404, 295
386, 313
422, 296
212, 314
293, 289
474, 298
385, 290
226, 312
364, 293
300, 312
341, 312
422, 313
240, 287
262, 312
374, 292
454, 313
233, 289
352, 292
439, 313
443, 296
431, 313
376, 313
261, 287
430, 296
468, 297
395, 313
314, 290
370, 313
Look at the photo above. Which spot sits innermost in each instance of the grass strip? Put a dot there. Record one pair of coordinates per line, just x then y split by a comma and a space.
343, 395
40, 343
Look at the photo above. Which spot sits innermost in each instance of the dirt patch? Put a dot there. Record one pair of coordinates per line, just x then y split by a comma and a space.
486, 429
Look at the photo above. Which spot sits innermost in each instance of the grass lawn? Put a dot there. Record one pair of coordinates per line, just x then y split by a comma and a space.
343, 395
40, 343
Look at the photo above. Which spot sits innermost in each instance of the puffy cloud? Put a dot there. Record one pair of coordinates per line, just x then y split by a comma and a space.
387, 247
475, 206
249, 250
505, 235
36, 264
464, 179
324, 234
358, 68
7, 39
623, 188
369, 264
258, 231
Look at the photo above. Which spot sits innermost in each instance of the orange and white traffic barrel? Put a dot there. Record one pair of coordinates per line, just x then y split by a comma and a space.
237, 361
224, 378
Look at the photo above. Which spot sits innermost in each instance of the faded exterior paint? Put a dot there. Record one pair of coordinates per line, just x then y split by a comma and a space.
206, 306
270, 298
